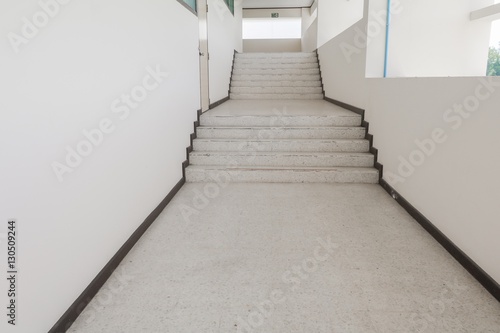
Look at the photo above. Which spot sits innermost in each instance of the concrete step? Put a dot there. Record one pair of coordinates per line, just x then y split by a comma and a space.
290, 145
247, 174
255, 55
276, 90
276, 60
275, 96
276, 83
206, 132
253, 65
225, 120
274, 77
282, 159
290, 71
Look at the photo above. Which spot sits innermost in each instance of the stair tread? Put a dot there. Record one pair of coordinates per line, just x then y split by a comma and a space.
274, 153
284, 127
298, 168
277, 140
317, 142
282, 116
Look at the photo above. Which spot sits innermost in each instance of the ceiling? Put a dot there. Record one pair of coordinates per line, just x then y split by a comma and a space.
277, 3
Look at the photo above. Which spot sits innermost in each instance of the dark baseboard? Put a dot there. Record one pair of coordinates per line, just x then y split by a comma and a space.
69, 317
231, 78
477, 272
194, 135
349, 107
189, 149
219, 102
368, 136
320, 75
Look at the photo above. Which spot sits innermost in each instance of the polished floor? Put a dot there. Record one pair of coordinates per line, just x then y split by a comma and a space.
280, 108
308, 258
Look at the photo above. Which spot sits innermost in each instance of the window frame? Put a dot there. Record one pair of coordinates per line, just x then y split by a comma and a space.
188, 7
229, 6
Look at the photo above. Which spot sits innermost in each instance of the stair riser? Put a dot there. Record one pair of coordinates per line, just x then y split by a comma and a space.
287, 121
276, 96
357, 146
275, 66
249, 77
281, 176
311, 71
279, 133
271, 61
258, 55
280, 149
276, 83
281, 160
277, 90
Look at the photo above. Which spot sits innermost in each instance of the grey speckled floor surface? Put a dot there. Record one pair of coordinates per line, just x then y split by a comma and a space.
288, 258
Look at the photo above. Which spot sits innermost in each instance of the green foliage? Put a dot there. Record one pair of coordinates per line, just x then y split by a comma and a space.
493, 62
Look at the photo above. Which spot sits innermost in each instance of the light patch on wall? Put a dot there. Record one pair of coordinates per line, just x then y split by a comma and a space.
495, 34
272, 28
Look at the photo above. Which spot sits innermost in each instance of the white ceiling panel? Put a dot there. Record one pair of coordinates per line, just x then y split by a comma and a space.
276, 3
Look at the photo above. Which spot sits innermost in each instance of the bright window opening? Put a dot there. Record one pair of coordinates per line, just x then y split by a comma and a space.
272, 28
494, 53
495, 34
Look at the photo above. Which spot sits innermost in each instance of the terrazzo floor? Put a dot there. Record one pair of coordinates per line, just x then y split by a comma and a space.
288, 258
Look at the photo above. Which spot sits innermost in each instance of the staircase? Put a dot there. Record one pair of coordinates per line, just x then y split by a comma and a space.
276, 76
277, 128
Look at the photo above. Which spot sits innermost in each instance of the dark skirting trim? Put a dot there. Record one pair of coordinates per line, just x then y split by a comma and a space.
477, 272
349, 107
368, 136
189, 149
219, 102
231, 78
69, 317
320, 75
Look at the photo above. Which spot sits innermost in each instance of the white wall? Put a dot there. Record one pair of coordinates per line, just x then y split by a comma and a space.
377, 20
266, 13
310, 38
309, 15
310, 28
336, 16
437, 38
224, 36
343, 61
62, 82
272, 45
456, 187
